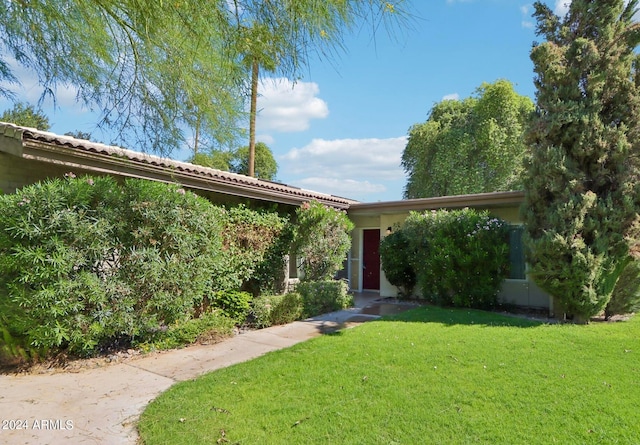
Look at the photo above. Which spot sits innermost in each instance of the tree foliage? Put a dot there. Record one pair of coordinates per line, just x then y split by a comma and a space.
582, 189
265, 167
26, 115
470, 146
154, 68
237, 161
144, 65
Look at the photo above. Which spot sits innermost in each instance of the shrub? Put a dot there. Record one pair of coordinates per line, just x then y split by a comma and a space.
255, 243
396, 261
322, 240
232, 304
321, 297
460, 256
210, 325
626, 295
85, 262
171, 255
271, 310
55, 238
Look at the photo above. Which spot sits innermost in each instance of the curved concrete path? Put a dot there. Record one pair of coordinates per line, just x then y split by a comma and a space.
102, 405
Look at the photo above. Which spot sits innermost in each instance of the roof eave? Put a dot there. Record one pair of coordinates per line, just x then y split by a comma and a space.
480, 200
102, 159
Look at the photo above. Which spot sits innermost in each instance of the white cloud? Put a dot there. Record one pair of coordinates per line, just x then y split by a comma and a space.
347, 188
266, 138
453, 96
29, 90
348, 159
526, 14
287, 107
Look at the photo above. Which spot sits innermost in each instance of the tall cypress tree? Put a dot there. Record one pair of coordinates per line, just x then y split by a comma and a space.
582, 187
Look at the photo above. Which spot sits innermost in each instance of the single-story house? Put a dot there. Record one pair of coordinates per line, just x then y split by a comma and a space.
374, 220
28, 155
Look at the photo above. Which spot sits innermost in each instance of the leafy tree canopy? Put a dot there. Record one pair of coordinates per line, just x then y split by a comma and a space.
236, 161
582, 186
266, 166
27, 116
470, 146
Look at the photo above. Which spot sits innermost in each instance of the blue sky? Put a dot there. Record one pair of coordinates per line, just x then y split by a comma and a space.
342, 128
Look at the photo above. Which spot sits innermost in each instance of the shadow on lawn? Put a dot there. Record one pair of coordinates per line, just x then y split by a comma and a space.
471, 317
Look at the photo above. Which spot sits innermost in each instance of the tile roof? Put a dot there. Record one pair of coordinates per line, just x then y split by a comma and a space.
251, 187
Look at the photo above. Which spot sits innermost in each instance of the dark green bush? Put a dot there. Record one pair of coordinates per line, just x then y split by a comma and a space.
271, 310
232, 304
396, 262
322, 240
171, 249
55, 242
85, 262
625, 298
460, 256
321, 297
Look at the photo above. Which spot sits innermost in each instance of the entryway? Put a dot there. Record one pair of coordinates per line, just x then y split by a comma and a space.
371, 259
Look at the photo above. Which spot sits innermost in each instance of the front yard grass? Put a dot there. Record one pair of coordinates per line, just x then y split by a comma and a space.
430, 375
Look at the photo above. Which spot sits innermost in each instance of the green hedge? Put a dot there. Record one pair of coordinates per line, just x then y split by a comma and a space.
270, 310
87, 262
321, 297
256, 243
322, 240
396, 262
460, 257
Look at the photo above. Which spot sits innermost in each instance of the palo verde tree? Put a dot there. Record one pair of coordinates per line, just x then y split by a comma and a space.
582, 186
144, 65
471, 146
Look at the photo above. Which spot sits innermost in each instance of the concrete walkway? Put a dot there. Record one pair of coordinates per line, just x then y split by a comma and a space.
102, 405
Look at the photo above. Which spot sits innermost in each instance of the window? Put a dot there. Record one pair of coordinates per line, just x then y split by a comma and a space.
516, 254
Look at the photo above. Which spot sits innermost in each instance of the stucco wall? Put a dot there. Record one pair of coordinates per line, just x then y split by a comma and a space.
16, 172
517, 292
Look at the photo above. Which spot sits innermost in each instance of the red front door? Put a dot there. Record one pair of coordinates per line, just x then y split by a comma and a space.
371, 259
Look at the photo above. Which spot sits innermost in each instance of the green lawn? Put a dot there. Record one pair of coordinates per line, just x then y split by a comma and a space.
435, 376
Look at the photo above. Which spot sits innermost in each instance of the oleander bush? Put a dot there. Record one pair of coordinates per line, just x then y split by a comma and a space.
88, 262
321, 297
460, 256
